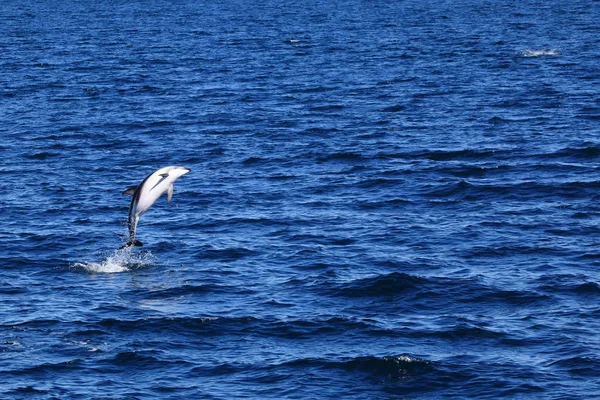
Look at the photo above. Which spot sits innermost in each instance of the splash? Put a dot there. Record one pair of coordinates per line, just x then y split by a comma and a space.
540, 53
122, 260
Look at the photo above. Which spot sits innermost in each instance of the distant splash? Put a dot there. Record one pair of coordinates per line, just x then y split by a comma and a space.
119, 261
540, 52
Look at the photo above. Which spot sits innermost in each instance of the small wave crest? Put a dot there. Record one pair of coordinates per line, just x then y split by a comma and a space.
122, 260
402, 367
540, 52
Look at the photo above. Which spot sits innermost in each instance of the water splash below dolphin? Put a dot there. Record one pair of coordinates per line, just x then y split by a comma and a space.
122, 260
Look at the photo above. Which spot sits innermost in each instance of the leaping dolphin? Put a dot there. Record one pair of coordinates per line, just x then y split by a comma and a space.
146, 193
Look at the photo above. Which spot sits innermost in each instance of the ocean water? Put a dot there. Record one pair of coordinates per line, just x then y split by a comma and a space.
388, 199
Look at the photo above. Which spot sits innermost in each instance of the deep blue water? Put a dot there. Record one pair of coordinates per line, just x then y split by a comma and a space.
388, 199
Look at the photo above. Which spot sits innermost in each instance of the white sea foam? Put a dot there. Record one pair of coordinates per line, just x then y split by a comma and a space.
406, 359
119, 261
540, 52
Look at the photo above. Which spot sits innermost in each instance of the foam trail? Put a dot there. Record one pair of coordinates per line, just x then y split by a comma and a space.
119, 261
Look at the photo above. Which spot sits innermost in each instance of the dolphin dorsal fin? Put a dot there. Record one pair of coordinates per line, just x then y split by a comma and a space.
170, 193
130, 191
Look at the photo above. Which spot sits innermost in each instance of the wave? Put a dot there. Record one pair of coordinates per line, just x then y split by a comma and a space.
41, 155
213, 326
382, 285
307, 329
28, 391
588, 152
186, 290
586, 366
49, 368
227, 254
464, 154
527, 189
393, 109
142, 359
341, 156
467, 154
295, 329
398, 367
540, 52
419, 292
568, 284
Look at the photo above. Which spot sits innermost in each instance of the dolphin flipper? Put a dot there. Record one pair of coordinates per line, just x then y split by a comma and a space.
169, 193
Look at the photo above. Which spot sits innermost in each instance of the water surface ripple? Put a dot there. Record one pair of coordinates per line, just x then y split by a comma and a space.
387, 199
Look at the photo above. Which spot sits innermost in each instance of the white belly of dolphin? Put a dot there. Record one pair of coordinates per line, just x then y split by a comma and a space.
155, 185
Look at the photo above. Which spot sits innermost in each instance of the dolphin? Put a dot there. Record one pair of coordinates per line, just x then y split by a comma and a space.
146, 193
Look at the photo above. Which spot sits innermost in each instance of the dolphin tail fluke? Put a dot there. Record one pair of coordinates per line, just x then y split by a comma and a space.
134, 242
